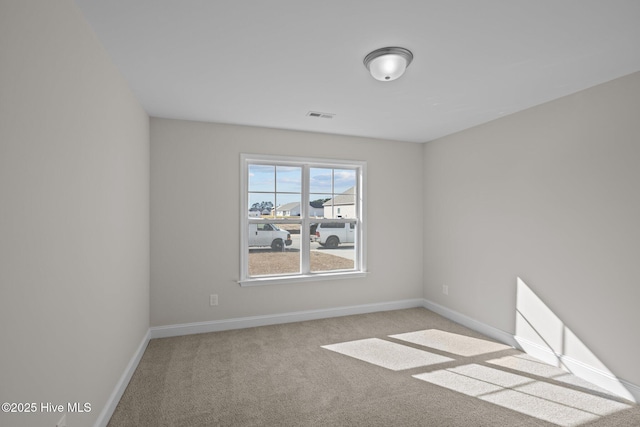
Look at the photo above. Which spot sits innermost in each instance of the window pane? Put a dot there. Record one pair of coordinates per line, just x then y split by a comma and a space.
262, 178
333, 247
261, 204
341, 206
288, 205
319, 206
274, 249
274, 193
344, 180
345, 204
289, 179
320, 180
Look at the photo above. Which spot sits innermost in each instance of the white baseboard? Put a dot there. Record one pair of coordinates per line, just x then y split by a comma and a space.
490, 331
595, 376
275, 319
121, 385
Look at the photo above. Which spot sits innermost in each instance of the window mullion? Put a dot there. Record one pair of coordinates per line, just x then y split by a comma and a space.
358, 207
275, 191
305, 254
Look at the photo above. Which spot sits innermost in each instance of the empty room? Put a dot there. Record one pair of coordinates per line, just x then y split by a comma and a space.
342, 213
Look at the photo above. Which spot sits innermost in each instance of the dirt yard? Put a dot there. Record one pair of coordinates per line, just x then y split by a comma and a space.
266, 262
291, 228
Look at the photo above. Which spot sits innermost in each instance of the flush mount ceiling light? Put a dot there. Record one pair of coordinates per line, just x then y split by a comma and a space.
388, 63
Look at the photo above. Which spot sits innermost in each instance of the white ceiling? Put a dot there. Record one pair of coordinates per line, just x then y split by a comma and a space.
268, 63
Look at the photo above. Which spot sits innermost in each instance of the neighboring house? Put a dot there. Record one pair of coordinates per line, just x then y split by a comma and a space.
316, 212
341, 206
293, 209
288, 209
256, 212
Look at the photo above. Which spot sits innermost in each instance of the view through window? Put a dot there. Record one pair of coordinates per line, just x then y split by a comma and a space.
303, 218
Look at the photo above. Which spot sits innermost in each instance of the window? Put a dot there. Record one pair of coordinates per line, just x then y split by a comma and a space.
302, 219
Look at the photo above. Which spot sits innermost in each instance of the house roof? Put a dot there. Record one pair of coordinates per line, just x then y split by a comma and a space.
292, 205
346, 198
288, 206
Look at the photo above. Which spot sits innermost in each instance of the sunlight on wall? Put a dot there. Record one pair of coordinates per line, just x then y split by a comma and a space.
541, 333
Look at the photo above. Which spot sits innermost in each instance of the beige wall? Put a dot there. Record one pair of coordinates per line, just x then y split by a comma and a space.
549, 195
195, 222
74, 227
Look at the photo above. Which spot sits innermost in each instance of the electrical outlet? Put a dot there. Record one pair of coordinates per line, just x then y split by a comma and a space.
62, 422
445, 289
213, 299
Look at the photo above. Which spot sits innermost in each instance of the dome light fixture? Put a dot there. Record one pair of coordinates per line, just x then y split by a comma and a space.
388, 63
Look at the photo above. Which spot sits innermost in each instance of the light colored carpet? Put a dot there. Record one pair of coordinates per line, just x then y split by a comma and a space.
387, 354
397, 368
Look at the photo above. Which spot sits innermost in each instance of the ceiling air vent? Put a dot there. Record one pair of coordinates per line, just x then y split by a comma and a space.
320, 115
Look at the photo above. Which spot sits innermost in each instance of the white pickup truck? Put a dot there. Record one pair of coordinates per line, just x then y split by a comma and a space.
332, 234
268, 235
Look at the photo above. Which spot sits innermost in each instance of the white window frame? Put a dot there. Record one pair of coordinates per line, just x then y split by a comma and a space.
304, 220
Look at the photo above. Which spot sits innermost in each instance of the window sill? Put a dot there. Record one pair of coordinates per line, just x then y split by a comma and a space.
301, 278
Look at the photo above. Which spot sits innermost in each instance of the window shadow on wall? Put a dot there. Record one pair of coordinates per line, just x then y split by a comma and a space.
541, 333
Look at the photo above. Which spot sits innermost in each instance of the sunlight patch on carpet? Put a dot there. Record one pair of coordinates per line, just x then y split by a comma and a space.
574, 398
528, 365
573, 380
541, 409
461, 383
461, 345
387, 354
548, 402
492, 376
